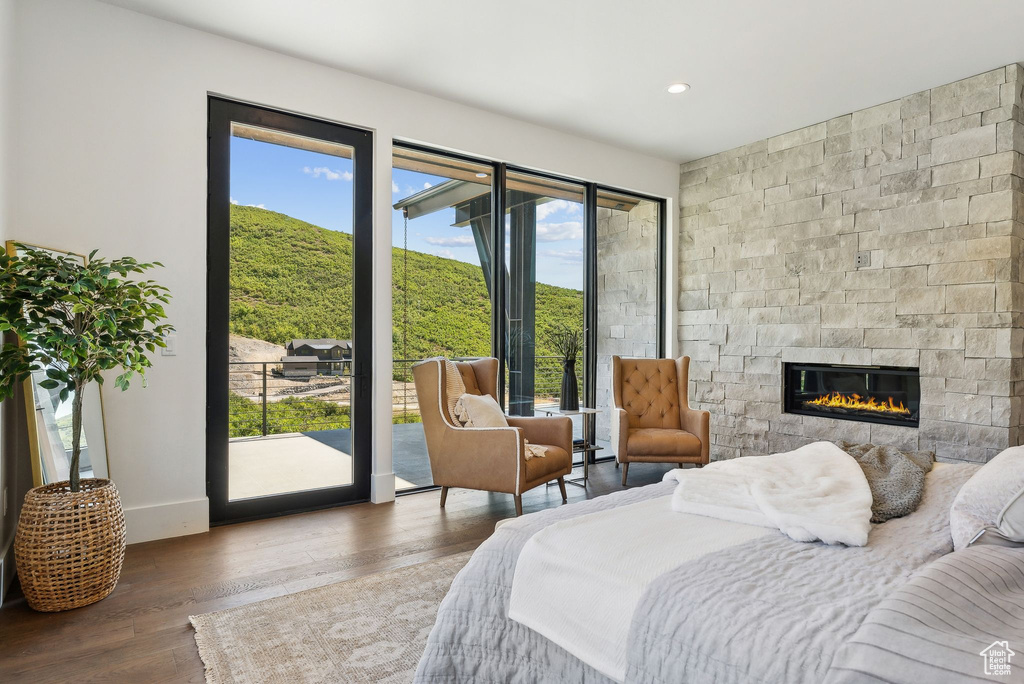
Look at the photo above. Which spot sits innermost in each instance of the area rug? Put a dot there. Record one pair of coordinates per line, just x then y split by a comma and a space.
369, 629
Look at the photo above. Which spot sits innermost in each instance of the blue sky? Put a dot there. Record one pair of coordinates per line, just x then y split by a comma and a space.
317, 188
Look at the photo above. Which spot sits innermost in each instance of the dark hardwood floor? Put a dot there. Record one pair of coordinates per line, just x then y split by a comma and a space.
141, 633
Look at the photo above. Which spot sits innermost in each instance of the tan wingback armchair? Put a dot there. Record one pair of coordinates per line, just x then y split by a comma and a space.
652, 421
490, 459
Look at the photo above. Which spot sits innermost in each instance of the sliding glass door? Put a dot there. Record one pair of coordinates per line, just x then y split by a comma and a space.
290, 257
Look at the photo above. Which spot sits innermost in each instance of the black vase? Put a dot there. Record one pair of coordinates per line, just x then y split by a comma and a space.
569, 399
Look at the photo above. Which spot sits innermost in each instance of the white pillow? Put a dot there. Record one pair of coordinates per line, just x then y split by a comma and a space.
989, 508
480, 411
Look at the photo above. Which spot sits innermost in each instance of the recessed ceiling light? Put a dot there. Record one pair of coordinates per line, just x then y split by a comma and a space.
677, 88
481, 175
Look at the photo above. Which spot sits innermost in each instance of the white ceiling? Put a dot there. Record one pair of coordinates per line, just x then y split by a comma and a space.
599, 68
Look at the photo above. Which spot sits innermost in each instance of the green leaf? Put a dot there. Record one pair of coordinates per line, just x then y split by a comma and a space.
73, 320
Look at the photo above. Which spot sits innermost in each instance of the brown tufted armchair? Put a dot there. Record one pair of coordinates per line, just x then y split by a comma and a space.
652, 421
491, 459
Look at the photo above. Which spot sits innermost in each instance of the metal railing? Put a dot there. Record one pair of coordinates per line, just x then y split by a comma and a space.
547, 385
270, 397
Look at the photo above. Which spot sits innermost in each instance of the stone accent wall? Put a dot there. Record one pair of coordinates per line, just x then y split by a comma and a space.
627, 294
929, 188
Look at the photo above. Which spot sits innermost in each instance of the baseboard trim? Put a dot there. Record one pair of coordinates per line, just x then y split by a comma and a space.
382, 487
161, 521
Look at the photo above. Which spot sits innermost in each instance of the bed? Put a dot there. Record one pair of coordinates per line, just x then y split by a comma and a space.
735, 605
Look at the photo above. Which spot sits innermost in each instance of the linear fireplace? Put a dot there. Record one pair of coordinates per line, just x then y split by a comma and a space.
873, 394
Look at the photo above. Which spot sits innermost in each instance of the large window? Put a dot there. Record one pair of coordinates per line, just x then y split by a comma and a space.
566, 256
544, 255
442, 241
628, 288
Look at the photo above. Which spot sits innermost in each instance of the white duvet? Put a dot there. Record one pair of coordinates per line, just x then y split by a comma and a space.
577, 582
815, 492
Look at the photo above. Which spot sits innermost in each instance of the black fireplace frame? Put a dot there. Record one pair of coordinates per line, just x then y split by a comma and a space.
790, 405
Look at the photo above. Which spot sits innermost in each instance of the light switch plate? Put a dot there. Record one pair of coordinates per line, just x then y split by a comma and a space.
172, 346
863, 259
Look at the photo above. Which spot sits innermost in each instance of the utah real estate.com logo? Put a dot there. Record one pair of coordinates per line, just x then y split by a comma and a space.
997, 659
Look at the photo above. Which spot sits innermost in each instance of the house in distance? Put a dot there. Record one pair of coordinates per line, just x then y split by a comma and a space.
321, 356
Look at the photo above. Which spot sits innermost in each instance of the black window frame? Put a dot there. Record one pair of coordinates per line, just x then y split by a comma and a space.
222, 112
499, 171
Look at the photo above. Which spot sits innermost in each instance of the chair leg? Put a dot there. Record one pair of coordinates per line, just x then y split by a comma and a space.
444, 495
561, 488
519, 504
625, 471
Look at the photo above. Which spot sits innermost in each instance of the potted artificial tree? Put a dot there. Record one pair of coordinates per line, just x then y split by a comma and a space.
74, 321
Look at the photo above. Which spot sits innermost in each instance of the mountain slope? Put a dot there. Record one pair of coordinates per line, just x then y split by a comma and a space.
291, 279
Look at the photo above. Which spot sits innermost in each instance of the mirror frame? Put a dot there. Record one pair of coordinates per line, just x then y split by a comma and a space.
29, 391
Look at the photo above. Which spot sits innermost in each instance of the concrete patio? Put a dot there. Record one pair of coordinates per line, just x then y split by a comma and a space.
300, 461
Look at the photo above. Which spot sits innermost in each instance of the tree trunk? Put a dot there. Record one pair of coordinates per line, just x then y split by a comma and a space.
76, 436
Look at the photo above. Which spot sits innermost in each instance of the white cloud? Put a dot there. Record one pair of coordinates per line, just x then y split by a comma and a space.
569, 256
445, 253
394, 187
327, 173
426, 186
549, 208
457, 241
553, 232
234, 201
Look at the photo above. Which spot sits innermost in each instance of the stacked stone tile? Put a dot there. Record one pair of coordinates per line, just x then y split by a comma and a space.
627, 294
930, 188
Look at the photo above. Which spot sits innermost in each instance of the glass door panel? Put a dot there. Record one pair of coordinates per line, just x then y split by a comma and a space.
544, 256
442, 240
628, 239
297, 342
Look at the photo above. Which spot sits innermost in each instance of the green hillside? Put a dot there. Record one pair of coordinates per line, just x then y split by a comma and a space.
291, 279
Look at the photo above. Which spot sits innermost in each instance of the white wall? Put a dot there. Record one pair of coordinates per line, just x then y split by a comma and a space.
110, 153
6, 71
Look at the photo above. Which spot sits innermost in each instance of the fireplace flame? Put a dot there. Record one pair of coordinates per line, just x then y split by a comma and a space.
859, 403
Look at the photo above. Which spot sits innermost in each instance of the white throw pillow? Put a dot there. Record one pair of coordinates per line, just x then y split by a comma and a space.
480, 411
989, 508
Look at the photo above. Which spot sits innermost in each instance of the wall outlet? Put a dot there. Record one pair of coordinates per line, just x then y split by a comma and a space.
863, 259
172, 346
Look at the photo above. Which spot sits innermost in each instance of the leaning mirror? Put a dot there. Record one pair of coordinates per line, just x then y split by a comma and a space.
49, 421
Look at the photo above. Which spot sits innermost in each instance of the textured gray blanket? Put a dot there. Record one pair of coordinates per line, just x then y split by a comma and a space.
771, 610
896, 477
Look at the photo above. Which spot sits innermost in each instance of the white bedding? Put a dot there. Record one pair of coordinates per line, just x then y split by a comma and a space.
817, 491
577, 582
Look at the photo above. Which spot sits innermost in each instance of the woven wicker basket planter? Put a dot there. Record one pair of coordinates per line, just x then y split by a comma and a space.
69, 547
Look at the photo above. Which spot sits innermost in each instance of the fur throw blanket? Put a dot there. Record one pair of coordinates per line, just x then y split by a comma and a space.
815, 492
896, 477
